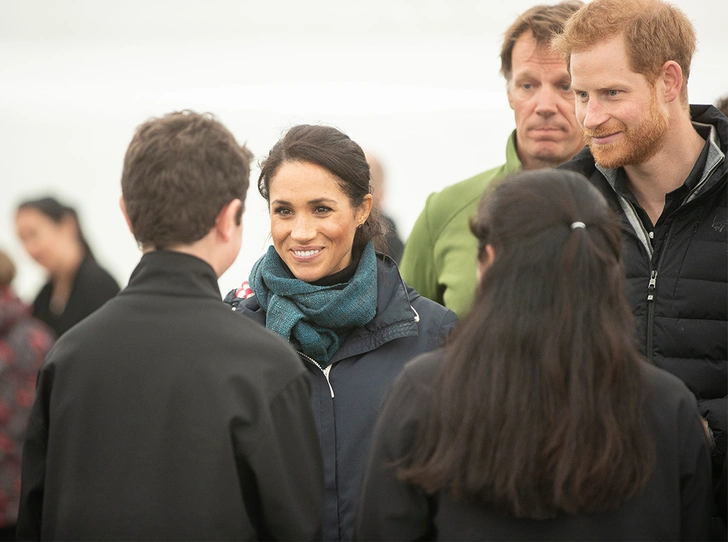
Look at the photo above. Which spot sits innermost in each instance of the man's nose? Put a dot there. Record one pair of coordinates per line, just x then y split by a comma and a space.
546, 100
594, 114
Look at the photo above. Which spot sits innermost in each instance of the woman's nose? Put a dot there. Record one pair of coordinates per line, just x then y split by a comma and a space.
303, 229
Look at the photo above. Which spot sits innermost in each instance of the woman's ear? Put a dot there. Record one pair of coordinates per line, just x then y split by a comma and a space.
69, 226
486, 261
364, 210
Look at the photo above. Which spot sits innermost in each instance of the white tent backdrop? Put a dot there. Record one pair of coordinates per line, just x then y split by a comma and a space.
415, 81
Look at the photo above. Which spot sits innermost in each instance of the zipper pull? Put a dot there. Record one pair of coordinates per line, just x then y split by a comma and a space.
328, 379
651, 286
324, 371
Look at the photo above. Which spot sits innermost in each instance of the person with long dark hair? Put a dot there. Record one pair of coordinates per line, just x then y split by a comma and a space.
540, 420
341, 303
77, 285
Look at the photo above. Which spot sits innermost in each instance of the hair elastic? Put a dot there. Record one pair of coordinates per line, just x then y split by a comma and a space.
575, 225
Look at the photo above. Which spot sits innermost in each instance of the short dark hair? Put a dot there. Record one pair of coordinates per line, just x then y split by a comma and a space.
58, 212
543, 21
180, 170
333, 150
538, 408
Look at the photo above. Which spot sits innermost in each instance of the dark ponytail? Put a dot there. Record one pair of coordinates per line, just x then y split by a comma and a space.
538, 409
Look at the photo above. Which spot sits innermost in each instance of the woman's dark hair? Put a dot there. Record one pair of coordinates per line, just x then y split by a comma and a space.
333, 150
58, 212
538, 408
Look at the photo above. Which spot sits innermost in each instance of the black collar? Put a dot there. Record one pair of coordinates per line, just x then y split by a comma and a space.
165, 272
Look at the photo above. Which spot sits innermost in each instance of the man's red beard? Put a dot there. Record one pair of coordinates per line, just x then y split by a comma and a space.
636, 143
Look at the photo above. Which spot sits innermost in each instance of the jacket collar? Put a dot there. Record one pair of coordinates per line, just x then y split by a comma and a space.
704, 117
395, 316
713, 127
165, 272
716, 158
513, 161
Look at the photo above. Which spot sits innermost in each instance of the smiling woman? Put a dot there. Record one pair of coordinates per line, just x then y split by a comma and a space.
313, 223
341, 304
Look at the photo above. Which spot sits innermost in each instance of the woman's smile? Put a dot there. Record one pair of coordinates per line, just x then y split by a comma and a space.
306, 255
313, 222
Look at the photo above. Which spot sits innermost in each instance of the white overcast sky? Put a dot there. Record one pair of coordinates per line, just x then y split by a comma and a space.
415, 81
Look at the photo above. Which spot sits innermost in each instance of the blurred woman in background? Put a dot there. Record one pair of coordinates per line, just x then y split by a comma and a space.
77, 285
540, 420
341, 304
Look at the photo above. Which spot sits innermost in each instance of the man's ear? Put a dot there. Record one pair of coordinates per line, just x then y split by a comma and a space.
672, 78
122, 205
508, 93
228, 219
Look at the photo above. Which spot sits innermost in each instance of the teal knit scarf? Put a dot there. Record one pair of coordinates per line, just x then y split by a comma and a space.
317, 319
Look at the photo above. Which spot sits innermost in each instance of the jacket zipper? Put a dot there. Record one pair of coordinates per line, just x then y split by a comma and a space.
651, 287
325, 371
650, 312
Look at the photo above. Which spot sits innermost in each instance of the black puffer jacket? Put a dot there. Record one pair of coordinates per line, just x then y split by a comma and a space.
346, 404
679, 293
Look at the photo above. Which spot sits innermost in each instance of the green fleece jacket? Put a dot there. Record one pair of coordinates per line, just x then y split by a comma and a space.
439, 259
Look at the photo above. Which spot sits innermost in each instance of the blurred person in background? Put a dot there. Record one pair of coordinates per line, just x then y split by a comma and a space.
342, 304
440, 252
394, 245
77, 284
24, 342
722, 105
540, 419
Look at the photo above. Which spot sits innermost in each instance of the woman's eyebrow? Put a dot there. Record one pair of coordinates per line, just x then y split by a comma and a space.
316, 201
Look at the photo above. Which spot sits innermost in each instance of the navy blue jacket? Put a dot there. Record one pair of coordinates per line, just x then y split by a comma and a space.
679, 293
347, 403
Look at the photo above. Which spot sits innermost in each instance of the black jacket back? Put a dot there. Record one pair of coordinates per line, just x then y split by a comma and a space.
674, 505
165, 416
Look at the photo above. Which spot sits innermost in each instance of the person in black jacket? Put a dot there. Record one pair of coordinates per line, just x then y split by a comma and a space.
661, 163
343, 306
164, 416
51, 233
540, 420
